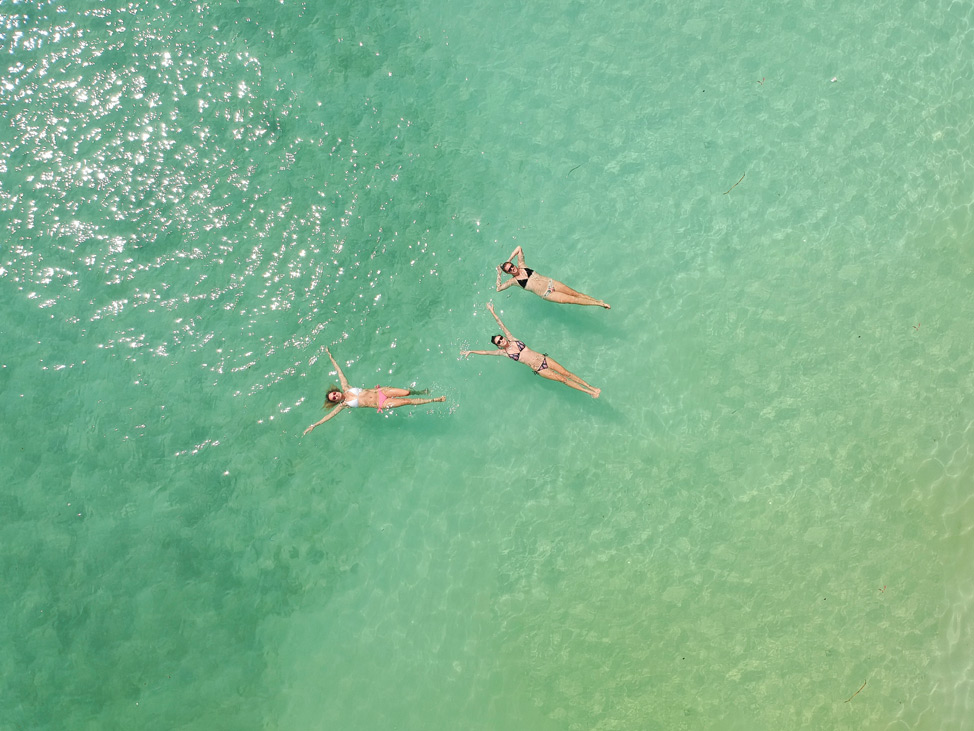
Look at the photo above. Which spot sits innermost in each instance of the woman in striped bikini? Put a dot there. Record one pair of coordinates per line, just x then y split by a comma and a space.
545, 287
378, 398
541, 363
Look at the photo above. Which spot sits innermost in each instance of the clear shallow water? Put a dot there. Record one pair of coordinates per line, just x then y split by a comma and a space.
769, 505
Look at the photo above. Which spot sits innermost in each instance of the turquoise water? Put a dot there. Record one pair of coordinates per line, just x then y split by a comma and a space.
769, 506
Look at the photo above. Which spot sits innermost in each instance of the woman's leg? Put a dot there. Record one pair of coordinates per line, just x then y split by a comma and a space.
392, 392
559, 368
565, 295
394, 402
552, 289
553, 375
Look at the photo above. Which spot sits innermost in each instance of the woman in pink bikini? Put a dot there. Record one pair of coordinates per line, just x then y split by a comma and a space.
545, 287
378, 398
541, 363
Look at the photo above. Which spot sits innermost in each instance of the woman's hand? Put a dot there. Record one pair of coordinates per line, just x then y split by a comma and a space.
464, 353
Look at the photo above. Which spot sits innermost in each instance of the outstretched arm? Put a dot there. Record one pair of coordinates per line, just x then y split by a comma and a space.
519, 254
465, 353
341, 376
505, 285
330, 415
507, 333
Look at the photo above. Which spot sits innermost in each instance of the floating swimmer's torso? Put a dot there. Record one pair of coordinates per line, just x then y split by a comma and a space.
353, 403
527, 275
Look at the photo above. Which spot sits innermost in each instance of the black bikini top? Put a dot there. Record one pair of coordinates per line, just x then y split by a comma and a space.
524, 282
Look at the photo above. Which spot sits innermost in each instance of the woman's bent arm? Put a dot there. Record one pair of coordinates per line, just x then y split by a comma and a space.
520, 256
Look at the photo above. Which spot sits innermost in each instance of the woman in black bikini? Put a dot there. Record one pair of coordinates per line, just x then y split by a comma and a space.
544, 287
540, 363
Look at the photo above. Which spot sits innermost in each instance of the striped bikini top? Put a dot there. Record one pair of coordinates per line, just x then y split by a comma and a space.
520, 346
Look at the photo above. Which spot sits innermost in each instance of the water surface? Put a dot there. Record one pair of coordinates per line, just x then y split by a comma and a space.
768, 506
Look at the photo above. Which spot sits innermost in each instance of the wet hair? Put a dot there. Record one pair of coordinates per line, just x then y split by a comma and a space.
505, 265
493, 340
329, 404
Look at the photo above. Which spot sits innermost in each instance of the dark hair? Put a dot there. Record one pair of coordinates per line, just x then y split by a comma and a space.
329, 404
505, 265
493, 340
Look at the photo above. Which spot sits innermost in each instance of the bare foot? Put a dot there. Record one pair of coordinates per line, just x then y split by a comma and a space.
441, 398
606, 306
596, 392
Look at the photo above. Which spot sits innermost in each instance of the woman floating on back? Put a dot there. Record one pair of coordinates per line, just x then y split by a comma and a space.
378, 398
541, 363
545, 287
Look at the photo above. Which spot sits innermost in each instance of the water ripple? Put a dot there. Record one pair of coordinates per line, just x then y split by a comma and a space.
172, 204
